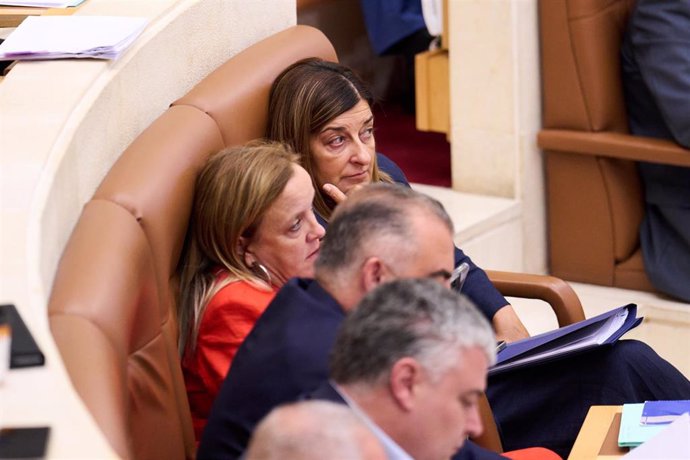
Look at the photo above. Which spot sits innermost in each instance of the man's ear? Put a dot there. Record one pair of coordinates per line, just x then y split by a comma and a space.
374, 273
404, 380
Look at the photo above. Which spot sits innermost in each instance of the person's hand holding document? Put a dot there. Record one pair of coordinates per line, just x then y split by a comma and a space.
54, 37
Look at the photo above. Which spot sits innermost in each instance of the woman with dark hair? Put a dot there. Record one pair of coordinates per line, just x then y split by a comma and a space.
306, 106
323, 111
252, 228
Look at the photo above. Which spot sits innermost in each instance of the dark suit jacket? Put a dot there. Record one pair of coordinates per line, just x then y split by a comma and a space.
286, 355
469, 451
655, 58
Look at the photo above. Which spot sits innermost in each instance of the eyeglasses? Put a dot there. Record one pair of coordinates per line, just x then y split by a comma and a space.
459, 275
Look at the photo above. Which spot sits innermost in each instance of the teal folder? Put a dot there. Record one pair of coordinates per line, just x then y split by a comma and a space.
632, 432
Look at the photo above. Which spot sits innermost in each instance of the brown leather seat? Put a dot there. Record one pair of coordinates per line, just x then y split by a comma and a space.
112, 304
594, 193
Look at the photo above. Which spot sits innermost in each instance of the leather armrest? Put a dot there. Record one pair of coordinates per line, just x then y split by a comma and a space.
614, 145
565, 303
554, 291
489, 438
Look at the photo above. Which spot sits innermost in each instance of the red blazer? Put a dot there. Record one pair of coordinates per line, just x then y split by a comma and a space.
228, 318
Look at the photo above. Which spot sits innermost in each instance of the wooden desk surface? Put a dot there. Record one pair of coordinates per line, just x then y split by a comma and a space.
598, 437
12, 16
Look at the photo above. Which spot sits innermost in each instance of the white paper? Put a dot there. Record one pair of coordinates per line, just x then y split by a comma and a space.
42, 3
46, 37
670, 443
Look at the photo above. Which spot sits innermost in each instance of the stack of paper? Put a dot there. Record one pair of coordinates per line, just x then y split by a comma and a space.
42, 3
672, 442
53, 37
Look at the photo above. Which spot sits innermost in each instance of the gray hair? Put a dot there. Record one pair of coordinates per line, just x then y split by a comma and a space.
416, 318
309, 430
375, 215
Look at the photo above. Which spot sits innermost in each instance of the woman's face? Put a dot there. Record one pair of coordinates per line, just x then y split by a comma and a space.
343, 151
287, 240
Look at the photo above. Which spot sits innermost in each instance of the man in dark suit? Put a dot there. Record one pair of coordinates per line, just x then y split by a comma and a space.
386, 232
411, 361
655, 59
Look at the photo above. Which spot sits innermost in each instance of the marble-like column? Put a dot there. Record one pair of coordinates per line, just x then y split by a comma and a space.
496, 109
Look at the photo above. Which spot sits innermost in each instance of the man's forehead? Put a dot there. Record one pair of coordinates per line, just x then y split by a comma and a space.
433, 241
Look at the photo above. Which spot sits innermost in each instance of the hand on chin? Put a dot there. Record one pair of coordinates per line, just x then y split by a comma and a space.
337, 194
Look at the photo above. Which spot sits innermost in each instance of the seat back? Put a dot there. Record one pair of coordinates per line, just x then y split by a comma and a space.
580, 59
111, 308
595, 203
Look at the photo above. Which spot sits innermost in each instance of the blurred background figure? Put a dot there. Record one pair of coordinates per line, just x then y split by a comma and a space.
655, 59
313, 430
398, 27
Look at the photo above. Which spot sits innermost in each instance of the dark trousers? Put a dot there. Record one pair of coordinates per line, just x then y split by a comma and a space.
545, 405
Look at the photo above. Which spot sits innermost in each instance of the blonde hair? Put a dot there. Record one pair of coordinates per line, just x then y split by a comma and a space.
233, 191
304, 98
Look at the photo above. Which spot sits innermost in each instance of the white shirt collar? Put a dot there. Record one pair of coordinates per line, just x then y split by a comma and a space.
393, 450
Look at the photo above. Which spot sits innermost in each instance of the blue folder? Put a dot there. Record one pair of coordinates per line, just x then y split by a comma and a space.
599, 330
663, 412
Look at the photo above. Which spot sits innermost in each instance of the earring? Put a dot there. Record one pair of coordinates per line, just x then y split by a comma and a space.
261, 272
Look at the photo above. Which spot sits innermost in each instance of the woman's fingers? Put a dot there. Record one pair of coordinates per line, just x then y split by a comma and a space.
335, 193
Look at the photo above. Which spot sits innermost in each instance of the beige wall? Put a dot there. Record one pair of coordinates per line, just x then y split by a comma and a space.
495, 110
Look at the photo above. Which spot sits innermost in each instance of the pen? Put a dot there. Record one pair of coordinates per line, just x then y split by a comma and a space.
457, 278
500, 345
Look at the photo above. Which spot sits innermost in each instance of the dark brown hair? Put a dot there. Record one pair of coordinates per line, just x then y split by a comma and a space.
303, 99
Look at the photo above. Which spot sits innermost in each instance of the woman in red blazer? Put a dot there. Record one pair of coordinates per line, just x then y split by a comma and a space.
252, 228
